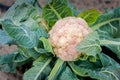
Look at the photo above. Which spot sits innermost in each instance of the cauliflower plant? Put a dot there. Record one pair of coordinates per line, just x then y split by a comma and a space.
66, 34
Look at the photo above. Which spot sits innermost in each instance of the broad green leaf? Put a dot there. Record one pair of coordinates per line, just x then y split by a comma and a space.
67, 74
47, 45
108, 28
21, 34
90, 15
90, 46
109, 31
56, 9
12, 10
21, 24
4, 38
39, 71
109, 22
109, 69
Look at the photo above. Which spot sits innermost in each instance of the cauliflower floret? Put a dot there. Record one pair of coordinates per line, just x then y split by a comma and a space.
66, 34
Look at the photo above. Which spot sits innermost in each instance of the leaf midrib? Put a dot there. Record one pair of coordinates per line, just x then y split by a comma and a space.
56, 13
87, 15
105, 71
103, 23
44, 66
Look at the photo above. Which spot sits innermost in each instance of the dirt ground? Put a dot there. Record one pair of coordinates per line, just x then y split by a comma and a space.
79, 4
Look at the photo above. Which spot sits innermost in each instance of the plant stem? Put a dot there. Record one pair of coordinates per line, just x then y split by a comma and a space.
45, 25
54, 71
57, 14
107, 42
44, 66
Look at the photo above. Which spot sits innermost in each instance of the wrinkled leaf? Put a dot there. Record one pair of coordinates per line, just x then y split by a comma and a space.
108, 28
109, 70
90, 46
12, 10
39, 70
21, 25
21, 34
56, 9
109, 22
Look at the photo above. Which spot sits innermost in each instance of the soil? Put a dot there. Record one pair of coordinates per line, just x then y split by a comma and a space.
101, 5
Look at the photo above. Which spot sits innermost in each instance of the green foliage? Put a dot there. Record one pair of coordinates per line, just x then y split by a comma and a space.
56, 69
21, 34
109, 22
90, 46
21, 25
108, 28
6, 63
89, 15
39, 70
25, 23
108, 67
68, 75
4, 38
56, 9
46, 44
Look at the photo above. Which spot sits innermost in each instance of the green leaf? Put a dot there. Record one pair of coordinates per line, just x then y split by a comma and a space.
39, 71
90, 46
108, 28
21, 24
108, 69
29, 53
112, 43
10, 67
21, 34
56, 9
20, 58
4, 38
67, 74
90, 15
10, 14
7, 58
7, 62
47, 45
56, 70
109, 22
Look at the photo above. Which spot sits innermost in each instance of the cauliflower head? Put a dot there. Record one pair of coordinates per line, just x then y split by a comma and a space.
66, 34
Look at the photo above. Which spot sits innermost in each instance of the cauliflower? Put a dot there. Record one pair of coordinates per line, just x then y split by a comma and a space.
66, 34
